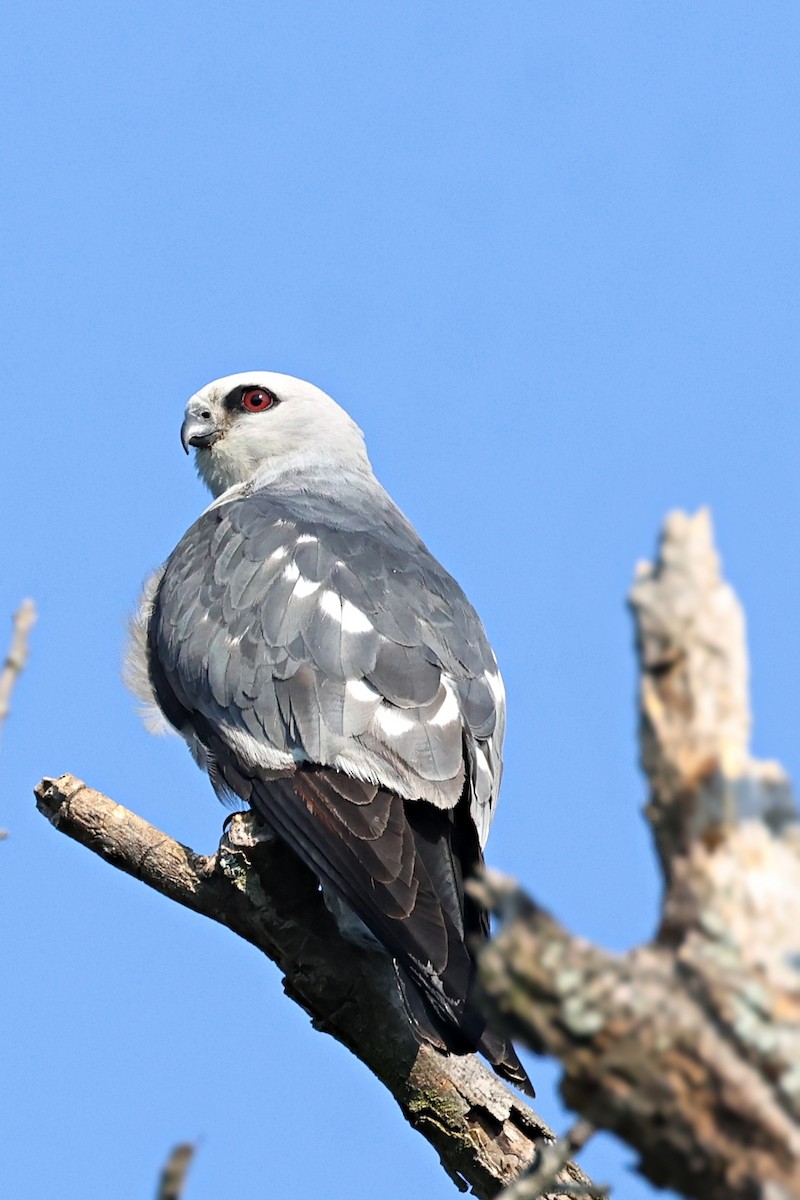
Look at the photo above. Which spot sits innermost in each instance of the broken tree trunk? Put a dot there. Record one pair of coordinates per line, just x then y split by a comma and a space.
689, 1047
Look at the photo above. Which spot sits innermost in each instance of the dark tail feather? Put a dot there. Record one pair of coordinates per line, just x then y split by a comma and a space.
451, 1038
429, 1025
501, 1054
406, 885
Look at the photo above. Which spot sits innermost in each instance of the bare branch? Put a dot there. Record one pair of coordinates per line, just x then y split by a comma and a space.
542, 1175
254, 885
176, 1169
688, 1048
24, 620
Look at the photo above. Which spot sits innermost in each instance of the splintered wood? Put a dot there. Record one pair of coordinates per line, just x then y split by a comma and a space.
688, 1048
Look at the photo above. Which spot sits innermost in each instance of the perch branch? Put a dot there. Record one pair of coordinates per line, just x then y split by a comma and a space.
688, 1047
256, 887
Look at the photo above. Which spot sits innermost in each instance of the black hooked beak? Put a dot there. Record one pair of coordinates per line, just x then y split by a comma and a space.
199, 430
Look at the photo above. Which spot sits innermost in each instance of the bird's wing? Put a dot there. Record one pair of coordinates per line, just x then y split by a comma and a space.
330, 637
334, 674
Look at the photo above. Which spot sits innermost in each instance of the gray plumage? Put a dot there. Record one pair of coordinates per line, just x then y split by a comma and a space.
271, 605
325, 668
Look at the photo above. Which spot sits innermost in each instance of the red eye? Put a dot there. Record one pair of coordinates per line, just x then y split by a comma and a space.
257, 400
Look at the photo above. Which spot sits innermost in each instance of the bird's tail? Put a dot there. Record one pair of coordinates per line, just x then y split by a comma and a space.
497, 1048
399, 865
463, 1034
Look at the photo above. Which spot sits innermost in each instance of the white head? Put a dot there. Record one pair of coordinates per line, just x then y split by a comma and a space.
260, 423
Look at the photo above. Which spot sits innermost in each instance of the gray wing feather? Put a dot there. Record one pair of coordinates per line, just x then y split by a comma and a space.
331, 635
338, 654
403, 675
300, 704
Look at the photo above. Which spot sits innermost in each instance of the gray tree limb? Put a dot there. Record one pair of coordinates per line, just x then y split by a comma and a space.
17, 656
688, 1047
176, 1169
256, 887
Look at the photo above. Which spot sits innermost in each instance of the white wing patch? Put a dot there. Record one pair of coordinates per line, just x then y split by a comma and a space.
392, 722
449, 710
496, 686
331, 604
305, 587
351, 619
484, 786
354, 620
359, 689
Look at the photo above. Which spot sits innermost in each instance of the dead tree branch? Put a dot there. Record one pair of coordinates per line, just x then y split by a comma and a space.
256, 887
689, 1047
17, 656
176, 1169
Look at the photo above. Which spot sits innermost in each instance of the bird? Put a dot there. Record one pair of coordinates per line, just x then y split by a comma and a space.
327, 671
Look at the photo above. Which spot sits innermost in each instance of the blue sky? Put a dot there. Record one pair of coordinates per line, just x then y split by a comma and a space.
547, 255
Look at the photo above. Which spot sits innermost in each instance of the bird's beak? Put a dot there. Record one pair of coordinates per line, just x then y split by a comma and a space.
199, 431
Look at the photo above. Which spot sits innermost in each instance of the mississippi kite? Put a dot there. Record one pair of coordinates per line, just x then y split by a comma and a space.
323, 667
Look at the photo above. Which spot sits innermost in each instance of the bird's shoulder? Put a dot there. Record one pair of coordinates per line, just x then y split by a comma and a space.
354, 556
313, 628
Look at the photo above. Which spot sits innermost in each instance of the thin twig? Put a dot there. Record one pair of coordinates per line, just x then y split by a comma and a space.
176, 1168
551, 1159
24, 620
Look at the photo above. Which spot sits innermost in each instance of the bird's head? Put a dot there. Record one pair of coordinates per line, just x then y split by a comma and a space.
260, 423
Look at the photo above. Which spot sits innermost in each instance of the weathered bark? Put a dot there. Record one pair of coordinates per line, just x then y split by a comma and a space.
541, 1177
256, 887
689, 1047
